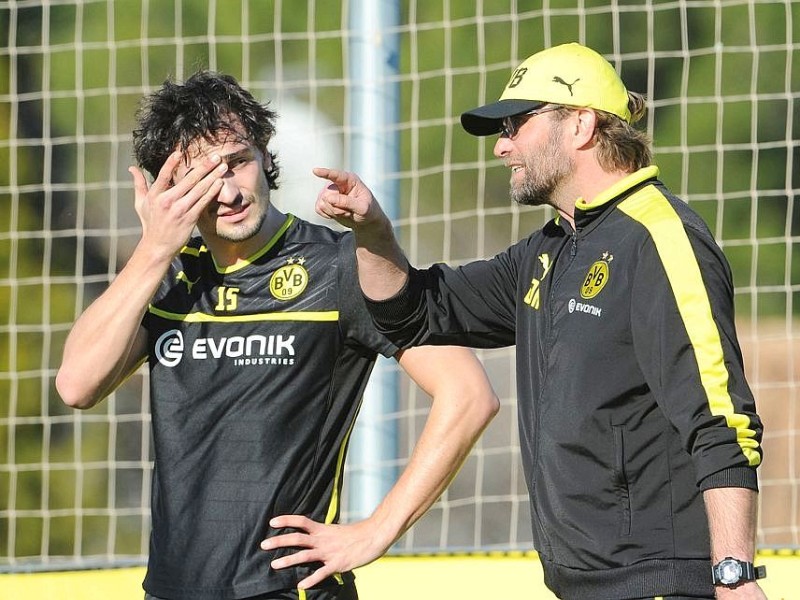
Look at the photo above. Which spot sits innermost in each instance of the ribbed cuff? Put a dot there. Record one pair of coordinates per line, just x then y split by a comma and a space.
743, 477
390, 312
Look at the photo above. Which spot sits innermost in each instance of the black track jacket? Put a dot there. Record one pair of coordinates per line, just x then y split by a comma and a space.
632, 397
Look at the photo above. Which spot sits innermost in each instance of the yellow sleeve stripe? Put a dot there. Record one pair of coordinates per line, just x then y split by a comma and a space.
654, 212
198, 317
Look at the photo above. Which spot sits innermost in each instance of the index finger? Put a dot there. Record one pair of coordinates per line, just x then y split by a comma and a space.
343, 180
166, 175
163, 180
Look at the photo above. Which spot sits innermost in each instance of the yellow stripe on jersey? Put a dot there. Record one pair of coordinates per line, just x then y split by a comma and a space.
651, 209
242, 263
199, 317
192, 251
333, 506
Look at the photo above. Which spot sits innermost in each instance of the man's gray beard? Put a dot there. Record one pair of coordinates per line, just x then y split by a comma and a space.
543, 174
553, 169
530, 194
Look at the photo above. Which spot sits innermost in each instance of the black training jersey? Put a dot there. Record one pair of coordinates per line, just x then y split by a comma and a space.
256, 375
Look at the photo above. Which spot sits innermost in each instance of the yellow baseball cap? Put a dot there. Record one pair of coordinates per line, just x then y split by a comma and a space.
568, 74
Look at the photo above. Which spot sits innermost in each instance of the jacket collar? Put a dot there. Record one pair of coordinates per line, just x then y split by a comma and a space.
586, 212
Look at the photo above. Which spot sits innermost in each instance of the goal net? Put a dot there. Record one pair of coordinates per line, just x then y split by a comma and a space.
722, 78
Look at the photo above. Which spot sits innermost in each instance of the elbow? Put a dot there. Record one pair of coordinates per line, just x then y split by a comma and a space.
491, 406
483, 407
479, 401
71, 392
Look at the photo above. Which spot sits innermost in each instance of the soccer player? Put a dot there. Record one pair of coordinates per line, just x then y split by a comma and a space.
639, 433
259, 348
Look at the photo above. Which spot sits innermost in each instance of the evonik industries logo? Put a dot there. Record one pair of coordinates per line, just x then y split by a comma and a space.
582, 307
169, 348
251, 350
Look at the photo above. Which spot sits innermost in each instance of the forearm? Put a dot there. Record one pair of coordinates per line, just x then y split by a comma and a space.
102, 347
463, 404
732, 522
382, 266
107, 341
453, 426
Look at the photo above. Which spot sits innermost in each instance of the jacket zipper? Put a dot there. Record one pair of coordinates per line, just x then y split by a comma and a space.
573, 250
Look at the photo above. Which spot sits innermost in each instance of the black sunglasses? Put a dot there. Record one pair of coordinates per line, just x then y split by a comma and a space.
510, 125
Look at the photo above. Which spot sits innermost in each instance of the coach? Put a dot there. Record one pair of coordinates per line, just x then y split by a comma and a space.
639, 433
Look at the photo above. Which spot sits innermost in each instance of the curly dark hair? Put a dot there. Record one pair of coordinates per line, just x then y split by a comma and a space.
206, 106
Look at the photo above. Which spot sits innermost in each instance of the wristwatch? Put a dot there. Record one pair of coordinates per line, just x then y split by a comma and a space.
730, 572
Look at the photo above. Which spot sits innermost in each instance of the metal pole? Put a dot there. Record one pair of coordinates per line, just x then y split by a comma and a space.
374, 155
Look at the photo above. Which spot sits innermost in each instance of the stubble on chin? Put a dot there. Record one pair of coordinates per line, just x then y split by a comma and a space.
242, 232
528, 193
545, 172
540, 187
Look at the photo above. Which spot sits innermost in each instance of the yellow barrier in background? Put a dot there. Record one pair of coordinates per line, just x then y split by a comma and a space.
464, 577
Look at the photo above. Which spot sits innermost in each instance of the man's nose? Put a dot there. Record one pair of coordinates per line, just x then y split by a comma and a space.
502, 147
230, 191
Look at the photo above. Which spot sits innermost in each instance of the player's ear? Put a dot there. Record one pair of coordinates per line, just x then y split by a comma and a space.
271, 169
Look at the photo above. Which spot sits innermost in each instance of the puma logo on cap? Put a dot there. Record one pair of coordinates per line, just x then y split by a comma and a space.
558, 79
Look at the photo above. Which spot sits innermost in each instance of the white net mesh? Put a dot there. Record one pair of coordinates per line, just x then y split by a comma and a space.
722, 78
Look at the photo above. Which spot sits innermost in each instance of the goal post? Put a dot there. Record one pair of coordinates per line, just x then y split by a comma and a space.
722, 79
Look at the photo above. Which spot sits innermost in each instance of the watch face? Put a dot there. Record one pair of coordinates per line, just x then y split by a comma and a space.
730, 571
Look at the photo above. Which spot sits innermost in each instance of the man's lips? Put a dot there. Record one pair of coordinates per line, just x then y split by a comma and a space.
233, 213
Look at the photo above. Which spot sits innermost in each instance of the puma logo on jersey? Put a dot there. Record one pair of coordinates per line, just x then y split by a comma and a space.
558, 79
532, 297
185, 279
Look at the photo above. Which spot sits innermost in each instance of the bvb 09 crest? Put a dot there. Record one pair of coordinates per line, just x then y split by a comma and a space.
290, 280
596, 278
